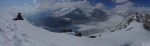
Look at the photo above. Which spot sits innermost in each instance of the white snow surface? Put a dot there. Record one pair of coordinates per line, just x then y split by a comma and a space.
23, 33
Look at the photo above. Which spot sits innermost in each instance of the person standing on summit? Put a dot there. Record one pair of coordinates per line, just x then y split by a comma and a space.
19, 17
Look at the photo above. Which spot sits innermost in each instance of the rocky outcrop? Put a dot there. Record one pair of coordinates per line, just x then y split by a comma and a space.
147, 22
138, 17
134, 17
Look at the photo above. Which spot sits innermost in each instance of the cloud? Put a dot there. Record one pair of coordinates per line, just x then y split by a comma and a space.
41, 6
99, 5
120, 1
45, 5
125, 5
53, 2
123, 9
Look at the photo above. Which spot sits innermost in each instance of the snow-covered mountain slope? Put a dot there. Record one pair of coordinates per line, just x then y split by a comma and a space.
78, 15
100, 27
138, 17
23, 33
132, 35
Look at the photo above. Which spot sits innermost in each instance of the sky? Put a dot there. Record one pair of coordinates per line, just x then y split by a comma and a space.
110, 3
8, 3
142, 2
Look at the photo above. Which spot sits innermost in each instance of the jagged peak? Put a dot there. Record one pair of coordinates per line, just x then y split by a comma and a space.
134, 17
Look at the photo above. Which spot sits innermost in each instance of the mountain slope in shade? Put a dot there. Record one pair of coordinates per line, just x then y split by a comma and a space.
99, 15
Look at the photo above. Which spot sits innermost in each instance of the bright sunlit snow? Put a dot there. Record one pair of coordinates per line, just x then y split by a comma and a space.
74, 23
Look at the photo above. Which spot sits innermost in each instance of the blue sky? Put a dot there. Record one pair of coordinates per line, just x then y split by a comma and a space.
142, 2
109, 3
7, 3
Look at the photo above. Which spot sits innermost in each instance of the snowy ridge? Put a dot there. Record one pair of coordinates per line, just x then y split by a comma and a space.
23, 33
133, 17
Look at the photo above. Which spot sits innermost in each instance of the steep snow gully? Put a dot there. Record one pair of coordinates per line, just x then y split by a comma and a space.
23, 33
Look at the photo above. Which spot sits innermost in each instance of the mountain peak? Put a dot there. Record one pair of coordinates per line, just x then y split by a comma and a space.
136, 17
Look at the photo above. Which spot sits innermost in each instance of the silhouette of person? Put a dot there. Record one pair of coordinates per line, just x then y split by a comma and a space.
19, 17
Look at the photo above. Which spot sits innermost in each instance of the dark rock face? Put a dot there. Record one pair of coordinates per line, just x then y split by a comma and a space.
138, 17
67, 30
92, 36
78, 34
99, 15
146, 26
147, 22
